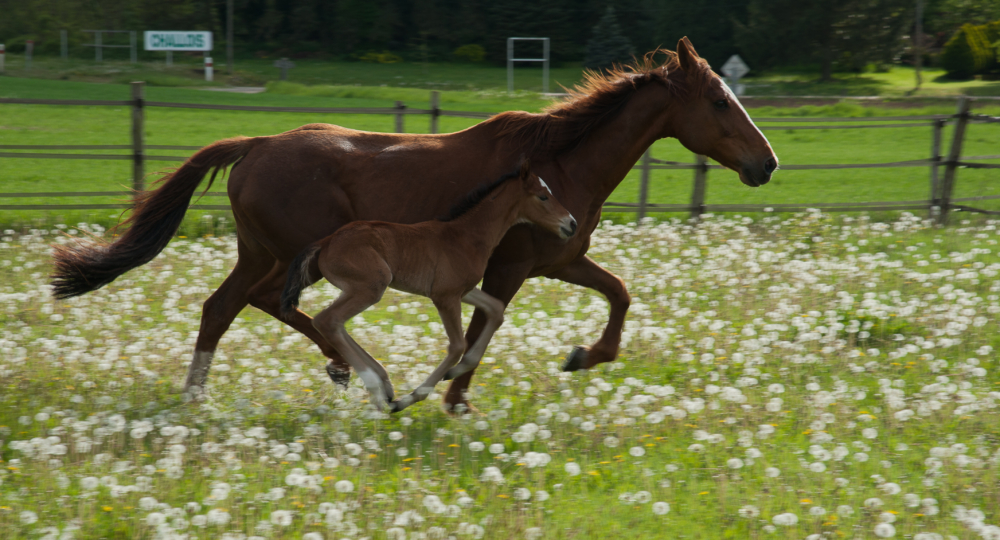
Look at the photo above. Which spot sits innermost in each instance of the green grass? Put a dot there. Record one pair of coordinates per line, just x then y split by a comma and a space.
188, 71
32, 124
897, 82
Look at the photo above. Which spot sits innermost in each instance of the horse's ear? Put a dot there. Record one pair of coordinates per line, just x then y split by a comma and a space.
525, 170
686, 55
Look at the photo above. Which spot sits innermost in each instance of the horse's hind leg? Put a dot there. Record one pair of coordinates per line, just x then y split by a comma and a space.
450, 310
493, 309
219, 311
266, 296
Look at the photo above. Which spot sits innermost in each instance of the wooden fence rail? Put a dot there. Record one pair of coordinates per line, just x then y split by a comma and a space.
939, 204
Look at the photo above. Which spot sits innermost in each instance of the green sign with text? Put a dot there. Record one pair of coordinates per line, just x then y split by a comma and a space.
157, 40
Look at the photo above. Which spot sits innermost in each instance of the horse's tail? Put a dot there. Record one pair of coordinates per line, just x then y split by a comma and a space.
298, 279
81, 268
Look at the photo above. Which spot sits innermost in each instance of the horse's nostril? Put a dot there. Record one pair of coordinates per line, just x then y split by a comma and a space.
572, 226
770, 165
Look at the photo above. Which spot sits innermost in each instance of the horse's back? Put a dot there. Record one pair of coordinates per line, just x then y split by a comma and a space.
296, 187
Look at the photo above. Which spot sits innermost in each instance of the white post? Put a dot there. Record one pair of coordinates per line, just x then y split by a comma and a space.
545, 66
510, 65
3, 54
208, 69
63, 45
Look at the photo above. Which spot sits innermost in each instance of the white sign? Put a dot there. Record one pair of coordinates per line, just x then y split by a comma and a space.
735, 68
157, 40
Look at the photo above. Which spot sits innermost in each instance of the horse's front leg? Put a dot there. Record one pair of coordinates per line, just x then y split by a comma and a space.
502, 283
585, 272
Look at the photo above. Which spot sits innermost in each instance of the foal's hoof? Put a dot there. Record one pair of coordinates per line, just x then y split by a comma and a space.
577, 359
340, 377
451, 374
400, 404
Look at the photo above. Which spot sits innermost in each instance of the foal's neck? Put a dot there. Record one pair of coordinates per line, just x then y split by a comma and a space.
487, 222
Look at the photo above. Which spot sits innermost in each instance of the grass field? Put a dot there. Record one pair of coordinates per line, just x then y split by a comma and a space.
30, 124
814, 377
188, 71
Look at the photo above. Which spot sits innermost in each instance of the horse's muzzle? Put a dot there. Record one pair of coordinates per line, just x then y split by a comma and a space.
567, 228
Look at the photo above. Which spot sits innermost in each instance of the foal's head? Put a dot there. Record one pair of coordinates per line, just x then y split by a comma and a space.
537, 205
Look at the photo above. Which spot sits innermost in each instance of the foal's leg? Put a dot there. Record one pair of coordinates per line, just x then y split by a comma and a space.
266, 296
502, 283
584, 271
450, 310
493, 309
354, 299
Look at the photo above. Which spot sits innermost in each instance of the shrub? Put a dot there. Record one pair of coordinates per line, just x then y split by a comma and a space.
384, 57
968, 52
469, 53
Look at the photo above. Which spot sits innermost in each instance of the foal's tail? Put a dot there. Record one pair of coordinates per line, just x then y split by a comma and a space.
81, 268
298, 279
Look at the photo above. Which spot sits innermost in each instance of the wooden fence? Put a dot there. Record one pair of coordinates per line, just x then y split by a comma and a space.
939, 203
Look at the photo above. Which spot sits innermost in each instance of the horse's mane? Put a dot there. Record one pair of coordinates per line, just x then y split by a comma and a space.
476, 196
601, 95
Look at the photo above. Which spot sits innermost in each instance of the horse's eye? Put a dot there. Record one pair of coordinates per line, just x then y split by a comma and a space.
722, 104
543, 198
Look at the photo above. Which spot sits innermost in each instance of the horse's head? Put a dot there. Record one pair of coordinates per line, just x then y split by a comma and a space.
540, 207
709, 120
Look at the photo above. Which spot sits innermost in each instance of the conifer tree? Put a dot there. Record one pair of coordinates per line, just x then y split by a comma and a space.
607, 45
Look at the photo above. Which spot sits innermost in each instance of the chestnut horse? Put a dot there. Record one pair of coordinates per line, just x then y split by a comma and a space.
292, 189
443, 260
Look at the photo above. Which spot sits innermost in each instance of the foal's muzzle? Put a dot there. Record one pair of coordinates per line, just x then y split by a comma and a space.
567, 227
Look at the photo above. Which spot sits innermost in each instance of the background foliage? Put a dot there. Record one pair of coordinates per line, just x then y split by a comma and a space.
769, 33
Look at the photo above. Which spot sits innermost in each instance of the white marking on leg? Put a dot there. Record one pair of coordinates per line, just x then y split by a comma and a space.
373, 383
201, 362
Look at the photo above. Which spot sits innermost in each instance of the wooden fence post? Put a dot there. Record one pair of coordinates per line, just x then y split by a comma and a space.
698, 193
954, 154
399, 116
935, 163
435, 110
644, 183
137, 136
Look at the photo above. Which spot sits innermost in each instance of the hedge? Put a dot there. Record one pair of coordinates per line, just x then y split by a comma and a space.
971, 50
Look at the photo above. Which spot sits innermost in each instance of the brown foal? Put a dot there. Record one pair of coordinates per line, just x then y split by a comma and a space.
443, 260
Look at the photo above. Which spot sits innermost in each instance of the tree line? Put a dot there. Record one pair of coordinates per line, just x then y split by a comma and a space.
817, 34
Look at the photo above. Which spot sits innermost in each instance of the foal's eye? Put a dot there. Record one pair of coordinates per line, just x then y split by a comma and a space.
543, 198
721, 104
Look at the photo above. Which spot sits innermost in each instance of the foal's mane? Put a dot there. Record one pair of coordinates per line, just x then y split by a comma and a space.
476, 196
601, 95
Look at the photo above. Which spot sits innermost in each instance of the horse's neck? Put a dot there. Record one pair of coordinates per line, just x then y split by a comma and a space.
487, 222
609, 152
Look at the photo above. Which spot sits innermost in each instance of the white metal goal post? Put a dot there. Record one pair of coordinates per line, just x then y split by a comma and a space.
544, 60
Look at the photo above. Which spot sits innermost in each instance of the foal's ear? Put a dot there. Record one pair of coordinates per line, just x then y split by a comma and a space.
686, 55
525, 170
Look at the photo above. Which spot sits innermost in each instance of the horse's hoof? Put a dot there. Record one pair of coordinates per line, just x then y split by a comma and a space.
393, 406
576, 360
340, 377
